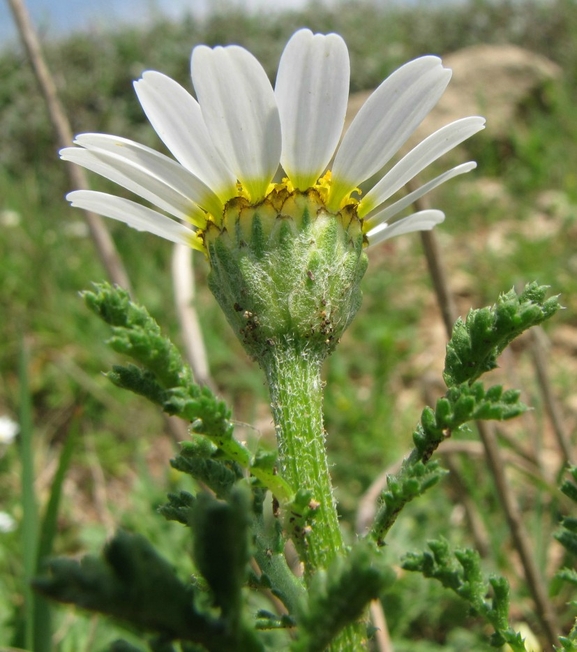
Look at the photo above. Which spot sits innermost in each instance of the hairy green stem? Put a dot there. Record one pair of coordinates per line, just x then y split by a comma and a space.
294, 378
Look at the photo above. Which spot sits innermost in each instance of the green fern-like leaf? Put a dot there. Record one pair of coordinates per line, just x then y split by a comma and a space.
460, 571
477, 342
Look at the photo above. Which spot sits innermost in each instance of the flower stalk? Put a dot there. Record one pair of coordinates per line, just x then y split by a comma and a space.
294, 380
296, 389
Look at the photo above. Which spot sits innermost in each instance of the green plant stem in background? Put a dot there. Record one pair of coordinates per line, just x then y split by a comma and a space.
273, 563
29, 506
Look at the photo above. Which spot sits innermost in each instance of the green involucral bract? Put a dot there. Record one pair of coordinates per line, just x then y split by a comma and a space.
287, 271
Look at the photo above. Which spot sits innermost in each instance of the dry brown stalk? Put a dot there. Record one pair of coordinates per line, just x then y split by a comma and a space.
107, 253
538, 352
381, 638
184, 294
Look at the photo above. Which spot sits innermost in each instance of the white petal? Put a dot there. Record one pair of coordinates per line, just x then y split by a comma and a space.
419, 158
421, 221
385, 121
177, 119
142, 170
239, 109
312, 90
385, 214
135, 215
115, 172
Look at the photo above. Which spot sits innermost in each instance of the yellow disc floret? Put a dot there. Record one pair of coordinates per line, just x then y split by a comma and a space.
282, 202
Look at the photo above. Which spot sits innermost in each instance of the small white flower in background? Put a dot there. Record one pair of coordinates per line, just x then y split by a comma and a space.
10, 218
7, 523
77, 229
231, 141
8, 430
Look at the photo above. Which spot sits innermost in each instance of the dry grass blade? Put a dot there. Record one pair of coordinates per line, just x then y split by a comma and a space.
554, 411
184, 294
382, 638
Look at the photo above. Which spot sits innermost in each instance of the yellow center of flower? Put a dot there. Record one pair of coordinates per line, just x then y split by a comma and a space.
282, 202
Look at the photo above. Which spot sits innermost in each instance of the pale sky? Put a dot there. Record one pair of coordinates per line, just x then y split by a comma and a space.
60, 17
53, 18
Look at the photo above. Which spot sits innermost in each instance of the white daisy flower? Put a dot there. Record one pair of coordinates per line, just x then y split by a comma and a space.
8, 430
230, 142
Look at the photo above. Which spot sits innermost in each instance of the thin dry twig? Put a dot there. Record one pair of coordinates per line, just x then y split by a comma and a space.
101, 237
477, 527
530, 448
538, 353
184, 295
519, 534
382, 638
438, 275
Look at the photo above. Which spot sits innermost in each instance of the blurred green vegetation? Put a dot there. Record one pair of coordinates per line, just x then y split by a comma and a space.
489, 242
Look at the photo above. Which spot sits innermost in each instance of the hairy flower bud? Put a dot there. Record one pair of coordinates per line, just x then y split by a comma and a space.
287, 270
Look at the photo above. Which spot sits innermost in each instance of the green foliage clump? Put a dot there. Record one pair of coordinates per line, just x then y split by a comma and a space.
460, 571
335, 594
230, 526
472, 350
134, 584
227, 528
477, 342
